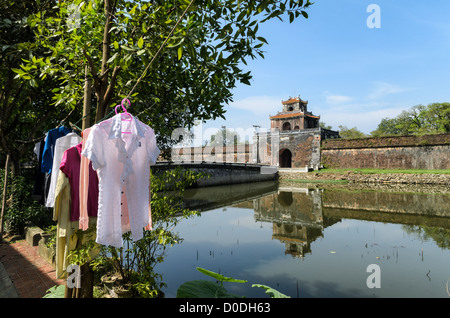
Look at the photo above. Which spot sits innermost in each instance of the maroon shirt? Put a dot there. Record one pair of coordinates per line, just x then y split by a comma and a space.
70, 165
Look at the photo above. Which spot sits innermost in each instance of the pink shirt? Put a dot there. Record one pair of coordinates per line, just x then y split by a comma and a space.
70, 165
85, 168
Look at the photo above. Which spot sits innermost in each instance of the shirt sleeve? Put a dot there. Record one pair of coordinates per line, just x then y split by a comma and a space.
64, 165
152, 149
93, 150
47, 154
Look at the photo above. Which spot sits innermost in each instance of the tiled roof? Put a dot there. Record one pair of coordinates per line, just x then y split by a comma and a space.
293, 100
296, 114
293, 114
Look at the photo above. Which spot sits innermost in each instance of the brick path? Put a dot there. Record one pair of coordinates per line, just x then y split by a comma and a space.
29, 272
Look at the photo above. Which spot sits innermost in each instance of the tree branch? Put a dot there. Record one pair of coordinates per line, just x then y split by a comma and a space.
110, 90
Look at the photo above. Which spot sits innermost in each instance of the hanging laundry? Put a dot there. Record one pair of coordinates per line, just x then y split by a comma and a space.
121, 151
85, 175
48, 153
66, 238
70, 166
39, 176
62, 144
66, 230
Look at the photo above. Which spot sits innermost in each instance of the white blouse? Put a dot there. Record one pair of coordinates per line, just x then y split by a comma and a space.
61, 145
121, 152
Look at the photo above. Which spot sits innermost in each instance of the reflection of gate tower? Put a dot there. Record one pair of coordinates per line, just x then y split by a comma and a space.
296, 217
294, 139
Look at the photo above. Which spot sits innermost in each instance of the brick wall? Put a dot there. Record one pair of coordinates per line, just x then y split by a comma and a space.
400, 152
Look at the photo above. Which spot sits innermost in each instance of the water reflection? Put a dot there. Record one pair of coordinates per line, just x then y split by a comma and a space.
313, 241
296, 215
299, 214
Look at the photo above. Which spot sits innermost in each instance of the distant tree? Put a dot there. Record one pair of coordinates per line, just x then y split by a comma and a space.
411, 121
387, 126
437, 117
225, 137
351, 133
431, 119
325, 126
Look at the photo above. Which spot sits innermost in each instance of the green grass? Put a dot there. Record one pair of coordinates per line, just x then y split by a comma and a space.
375, 171
317, 181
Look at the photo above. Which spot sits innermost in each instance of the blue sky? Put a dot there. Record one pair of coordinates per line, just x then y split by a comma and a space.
350, 74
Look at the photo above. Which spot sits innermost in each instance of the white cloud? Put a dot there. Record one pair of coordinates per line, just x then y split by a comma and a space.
259, 104
338, 99
382, 89
363, 121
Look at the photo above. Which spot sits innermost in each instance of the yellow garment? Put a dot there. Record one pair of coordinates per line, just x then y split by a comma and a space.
66, 230
61, 214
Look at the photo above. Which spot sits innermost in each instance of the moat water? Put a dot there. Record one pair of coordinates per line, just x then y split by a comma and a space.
312, 241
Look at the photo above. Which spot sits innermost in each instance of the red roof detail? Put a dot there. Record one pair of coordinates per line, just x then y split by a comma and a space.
293, 100
296, 114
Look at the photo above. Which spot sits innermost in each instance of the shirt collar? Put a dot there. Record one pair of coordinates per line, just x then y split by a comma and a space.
116, 127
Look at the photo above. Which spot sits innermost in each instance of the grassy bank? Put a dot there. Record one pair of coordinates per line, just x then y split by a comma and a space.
382, 171
392, 176
332, 181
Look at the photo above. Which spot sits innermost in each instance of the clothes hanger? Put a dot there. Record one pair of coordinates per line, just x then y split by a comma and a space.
125, 116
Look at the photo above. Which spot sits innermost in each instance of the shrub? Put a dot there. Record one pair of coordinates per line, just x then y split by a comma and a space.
21, 210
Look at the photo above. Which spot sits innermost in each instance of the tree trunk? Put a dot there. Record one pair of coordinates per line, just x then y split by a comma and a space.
103, 80
5, 186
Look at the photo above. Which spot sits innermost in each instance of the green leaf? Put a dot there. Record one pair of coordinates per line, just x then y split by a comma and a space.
272, 292
180, 52
203, 289
126, 48
18, 71
140, 42
112, 58
260, 38
219, 276
56, 291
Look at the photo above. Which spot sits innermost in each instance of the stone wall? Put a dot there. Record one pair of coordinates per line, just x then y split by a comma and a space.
402, 152
221, 173
220, 154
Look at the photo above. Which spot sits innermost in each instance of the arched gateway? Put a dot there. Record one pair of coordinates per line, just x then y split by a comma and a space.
285, 158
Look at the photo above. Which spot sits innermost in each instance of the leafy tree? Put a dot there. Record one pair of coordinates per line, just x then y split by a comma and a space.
351, 133
24, 107
387, 126
183, 67
410, 121
437, 117
225, 137
430, 119
325, 126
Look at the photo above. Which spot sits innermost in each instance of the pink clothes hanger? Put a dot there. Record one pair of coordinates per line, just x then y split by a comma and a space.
125, 115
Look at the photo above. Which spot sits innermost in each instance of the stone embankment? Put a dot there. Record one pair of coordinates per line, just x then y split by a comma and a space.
383, 178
